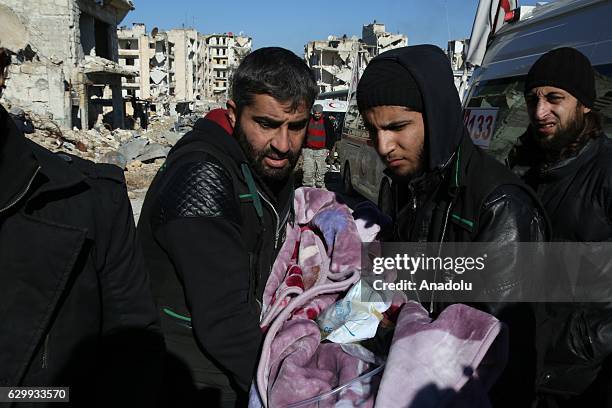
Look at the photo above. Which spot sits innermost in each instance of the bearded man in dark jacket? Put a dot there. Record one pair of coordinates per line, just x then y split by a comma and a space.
213, 222
77, 309
448, 190
567, 159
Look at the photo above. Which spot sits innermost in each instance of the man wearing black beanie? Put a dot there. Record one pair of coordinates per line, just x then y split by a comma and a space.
565, 156
447, 190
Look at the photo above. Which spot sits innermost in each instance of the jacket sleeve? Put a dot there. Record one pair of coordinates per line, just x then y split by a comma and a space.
510, 216
201, 234
132, 344
330, 134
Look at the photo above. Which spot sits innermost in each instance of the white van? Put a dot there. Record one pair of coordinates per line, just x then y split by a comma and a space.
360, 165
495, 112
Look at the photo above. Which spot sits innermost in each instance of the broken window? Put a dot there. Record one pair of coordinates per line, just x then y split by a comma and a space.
95, 36
88, 38
102, 32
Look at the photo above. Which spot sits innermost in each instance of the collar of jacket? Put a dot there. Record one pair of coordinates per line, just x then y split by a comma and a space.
527, 154
21, 161
570, 165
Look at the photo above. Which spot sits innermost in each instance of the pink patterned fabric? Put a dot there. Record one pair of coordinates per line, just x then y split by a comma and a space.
449, 362
319, 260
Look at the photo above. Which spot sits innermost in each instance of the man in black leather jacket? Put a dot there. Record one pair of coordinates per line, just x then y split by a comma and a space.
567, 159
213, 221
448, 190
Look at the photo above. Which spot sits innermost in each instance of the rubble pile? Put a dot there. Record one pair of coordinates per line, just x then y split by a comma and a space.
139, 152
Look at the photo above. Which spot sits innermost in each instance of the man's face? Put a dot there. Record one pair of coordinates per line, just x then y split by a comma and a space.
271, 134
556, 116
398, 135
317, 115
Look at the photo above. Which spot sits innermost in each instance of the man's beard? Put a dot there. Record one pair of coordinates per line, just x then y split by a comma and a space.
565, 135
415, 173
273, 177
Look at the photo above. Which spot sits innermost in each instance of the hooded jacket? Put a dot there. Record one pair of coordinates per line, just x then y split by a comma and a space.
464, 195
210, 230
77, 309
575, 338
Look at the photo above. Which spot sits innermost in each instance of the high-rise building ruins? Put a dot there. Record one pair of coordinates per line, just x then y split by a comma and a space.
222, 56
179, 65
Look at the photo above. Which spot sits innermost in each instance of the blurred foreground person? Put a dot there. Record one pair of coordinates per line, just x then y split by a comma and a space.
77, 309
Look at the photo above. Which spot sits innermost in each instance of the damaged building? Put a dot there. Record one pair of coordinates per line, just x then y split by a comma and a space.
185, 70
334, 59
66, 59
221, 55
462, 72
180, 65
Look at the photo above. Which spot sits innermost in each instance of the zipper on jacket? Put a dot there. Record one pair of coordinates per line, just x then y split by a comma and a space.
413, 195
23, 193
276, 230
45, 351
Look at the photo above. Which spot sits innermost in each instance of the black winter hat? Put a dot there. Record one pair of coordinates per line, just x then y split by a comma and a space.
387, 82
565, 68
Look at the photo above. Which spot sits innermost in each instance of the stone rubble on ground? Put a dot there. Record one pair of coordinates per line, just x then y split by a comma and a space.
140, 153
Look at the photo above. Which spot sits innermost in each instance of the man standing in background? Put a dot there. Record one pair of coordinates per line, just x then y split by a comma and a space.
566, 158
319, 141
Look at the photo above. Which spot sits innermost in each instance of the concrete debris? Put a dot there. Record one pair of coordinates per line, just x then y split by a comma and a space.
46, 124
172, 137
141, 177
153, 151
133, 148
93, 64
115, 158
140, 153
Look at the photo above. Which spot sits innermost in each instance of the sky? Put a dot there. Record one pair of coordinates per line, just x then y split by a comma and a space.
291, 24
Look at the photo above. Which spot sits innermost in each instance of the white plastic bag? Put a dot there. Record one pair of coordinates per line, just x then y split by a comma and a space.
355, 317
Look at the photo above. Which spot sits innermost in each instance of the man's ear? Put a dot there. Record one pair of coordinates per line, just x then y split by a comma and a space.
232, 112
585, 110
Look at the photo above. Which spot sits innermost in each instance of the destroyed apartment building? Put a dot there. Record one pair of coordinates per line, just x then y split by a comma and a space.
334, 59
221, 56
66, 60
179, 66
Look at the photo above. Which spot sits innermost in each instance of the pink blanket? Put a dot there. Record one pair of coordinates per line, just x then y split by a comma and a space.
319, 260
449, 362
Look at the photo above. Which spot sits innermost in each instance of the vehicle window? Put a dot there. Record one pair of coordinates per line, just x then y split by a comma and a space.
512, 120
353, 124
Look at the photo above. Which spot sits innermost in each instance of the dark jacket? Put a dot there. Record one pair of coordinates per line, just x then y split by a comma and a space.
77, 309
575, 339
210, 241
330, 133
464, 195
